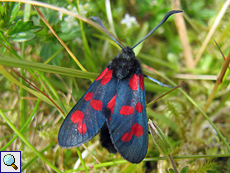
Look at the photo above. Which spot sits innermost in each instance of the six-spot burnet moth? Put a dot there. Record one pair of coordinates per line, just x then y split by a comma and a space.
114, 105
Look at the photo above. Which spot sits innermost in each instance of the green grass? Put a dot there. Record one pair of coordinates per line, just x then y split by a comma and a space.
195, 118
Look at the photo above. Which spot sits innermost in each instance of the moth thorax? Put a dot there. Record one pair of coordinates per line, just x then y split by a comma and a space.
125, 64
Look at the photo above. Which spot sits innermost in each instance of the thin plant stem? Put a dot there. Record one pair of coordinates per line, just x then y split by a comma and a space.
215, 88
82, 160
173, 163
218, 82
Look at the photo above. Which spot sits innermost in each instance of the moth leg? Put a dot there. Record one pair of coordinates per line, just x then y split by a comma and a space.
159, 83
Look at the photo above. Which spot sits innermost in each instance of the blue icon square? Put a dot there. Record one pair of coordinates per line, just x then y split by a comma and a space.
10, 161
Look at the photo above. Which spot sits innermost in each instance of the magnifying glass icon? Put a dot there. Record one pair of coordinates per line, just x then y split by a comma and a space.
9, 160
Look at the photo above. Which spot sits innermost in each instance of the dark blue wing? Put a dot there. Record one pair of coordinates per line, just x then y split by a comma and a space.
128, 122
86, 118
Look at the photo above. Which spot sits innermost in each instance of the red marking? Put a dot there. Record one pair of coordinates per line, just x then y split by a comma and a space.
141, 81
137, 130
102, 74
127, 110
96, 104
107, 77
111, 104
127, 137
139, 107
133, 82
88, 96
77, 117
81, 128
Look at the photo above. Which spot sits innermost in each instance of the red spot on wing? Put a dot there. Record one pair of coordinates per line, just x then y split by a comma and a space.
77, 116
133, 82
96, 104
139, 107
102, 74
137, 130
88, 96
111, 104
141, 81
127, 110
81, 128
127, 137
107, 77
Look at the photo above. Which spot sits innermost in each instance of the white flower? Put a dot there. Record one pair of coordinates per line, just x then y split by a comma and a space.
129, 20
71, 21
83, 9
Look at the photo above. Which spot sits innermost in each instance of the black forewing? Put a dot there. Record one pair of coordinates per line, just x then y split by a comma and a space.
84, 129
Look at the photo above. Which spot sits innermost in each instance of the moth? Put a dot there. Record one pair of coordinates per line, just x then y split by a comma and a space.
114, 106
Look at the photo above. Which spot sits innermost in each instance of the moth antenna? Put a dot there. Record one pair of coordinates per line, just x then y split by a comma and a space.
154, 29
159, 83
98, 20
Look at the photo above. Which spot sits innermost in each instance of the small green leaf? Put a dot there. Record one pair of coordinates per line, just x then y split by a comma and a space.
22, 36
5, 13
21, 26
35, 29
184, 169
171, 170
15, 11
